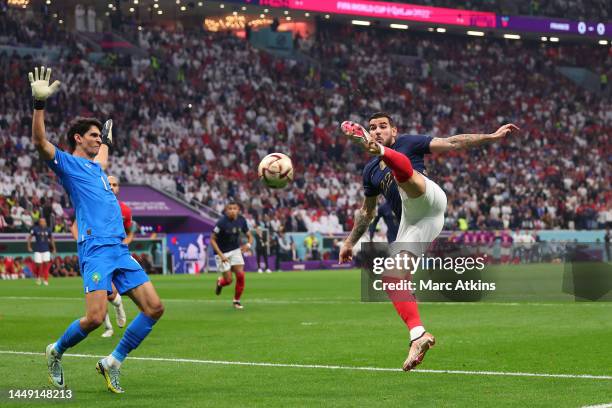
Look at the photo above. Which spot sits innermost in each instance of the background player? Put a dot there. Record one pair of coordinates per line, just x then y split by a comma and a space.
114, 298
398, 172
225, 240
44, 244
103, 256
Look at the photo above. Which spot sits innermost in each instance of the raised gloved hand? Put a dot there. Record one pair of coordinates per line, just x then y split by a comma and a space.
41, 89
107, 133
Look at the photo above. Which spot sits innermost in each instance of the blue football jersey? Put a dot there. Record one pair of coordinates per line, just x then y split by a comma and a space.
378, 179
228, 232
97, 210
42, 238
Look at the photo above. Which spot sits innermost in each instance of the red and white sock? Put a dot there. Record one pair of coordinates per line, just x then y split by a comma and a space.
224, 282
399, 163
239, 286
406, 306
46, 267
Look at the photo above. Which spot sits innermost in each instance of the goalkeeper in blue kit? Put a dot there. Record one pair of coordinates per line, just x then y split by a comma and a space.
103, 258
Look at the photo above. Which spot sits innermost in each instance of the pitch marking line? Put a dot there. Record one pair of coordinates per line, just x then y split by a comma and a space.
599, 406
315, 301
331, 367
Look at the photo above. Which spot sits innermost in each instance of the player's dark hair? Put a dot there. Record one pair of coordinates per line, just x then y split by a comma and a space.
81, 125
378, 115
233, 202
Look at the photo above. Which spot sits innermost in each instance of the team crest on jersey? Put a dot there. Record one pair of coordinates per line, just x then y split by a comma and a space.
382, 165
235, 231
96, 277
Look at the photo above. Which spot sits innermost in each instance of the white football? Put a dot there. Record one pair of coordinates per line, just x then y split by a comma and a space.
276, 170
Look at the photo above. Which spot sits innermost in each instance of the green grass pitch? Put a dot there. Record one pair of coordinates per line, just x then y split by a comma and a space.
312, 318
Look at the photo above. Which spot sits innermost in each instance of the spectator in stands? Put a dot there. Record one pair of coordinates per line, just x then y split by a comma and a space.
508, 188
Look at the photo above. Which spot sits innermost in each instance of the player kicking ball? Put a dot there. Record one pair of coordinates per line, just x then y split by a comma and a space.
225, 240
398, 173
103, 258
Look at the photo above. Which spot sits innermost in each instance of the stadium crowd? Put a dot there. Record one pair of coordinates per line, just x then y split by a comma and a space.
589, 10
196, 115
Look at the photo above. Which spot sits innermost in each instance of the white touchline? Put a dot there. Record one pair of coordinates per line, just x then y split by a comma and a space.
599, 406
343, 301
329, 367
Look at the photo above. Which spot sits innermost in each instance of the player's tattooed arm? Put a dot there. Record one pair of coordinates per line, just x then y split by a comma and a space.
363, 218
460, 142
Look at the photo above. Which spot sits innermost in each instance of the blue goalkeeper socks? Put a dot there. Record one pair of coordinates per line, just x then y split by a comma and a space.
71, 337
136, 332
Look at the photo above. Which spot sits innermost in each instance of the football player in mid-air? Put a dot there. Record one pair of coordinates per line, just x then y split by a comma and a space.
398, 173
103, 257
225, 240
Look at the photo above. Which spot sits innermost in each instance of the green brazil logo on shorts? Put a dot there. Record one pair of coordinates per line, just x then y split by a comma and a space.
96, 277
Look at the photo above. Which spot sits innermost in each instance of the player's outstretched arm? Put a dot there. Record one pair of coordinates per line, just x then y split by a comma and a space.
41, 90
362, 221
107, 142
459, 142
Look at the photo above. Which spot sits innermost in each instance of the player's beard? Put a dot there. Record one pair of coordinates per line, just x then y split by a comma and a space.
94, 152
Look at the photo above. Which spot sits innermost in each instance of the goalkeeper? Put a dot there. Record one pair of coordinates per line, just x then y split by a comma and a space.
104, 259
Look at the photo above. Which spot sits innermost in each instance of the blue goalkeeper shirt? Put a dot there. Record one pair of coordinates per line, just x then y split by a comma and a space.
98, 213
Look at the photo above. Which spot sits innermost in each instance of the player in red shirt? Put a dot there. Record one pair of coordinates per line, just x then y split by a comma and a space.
115, 297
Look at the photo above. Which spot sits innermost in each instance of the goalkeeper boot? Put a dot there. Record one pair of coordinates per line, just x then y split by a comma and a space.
111, 376
54, 364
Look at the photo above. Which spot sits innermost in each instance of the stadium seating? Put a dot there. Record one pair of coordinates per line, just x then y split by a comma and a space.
195, 117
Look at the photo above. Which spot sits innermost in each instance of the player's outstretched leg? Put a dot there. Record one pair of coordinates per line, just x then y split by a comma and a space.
406, 306
151, 307
74, 334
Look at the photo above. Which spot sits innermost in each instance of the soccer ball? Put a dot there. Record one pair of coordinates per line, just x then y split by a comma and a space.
276, 170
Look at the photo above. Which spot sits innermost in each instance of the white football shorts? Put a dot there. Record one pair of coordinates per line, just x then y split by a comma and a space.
422, 219
40, 257
235, 258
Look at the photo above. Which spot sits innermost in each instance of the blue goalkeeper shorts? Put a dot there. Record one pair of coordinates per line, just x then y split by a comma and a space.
102, 263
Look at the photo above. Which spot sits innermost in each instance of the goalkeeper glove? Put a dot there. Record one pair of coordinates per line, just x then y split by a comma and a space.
107, 133
41, 89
